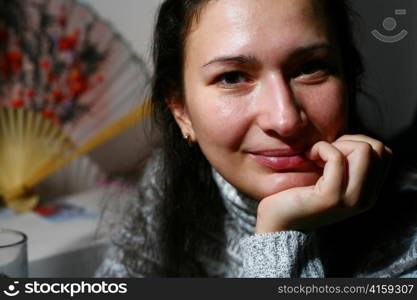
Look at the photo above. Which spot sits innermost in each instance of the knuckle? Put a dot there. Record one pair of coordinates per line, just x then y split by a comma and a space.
364, 148
338, 157
321, 143
379, 147
362, 136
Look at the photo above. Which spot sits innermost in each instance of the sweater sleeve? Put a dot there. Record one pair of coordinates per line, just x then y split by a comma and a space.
281, 254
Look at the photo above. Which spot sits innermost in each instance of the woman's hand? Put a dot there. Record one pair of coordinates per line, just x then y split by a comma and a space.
354, 169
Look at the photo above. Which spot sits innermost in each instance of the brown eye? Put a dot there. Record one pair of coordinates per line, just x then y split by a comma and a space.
231, 78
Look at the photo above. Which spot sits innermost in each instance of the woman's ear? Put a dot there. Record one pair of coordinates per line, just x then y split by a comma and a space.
181, 116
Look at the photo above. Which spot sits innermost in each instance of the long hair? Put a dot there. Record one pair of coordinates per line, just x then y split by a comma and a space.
191, 199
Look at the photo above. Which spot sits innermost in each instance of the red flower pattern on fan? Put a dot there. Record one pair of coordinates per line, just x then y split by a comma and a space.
68, 84
51, 72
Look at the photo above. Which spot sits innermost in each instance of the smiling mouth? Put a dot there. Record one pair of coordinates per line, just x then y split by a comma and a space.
280, 163
279, 160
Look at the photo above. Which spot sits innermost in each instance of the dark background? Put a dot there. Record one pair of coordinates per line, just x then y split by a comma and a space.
391, 69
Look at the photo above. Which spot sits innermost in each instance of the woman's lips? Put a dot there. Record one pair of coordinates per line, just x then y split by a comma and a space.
279, 162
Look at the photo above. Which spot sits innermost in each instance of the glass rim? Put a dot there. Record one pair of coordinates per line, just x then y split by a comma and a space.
22, 235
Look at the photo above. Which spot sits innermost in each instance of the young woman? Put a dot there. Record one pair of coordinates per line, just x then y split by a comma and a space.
265, 170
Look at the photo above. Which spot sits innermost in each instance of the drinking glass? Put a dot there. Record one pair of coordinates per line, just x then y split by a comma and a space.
13, 253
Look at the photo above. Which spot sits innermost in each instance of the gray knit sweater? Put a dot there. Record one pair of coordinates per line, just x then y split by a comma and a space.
242, 253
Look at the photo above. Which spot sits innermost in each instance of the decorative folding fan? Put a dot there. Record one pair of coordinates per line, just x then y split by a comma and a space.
67, 84
79, 175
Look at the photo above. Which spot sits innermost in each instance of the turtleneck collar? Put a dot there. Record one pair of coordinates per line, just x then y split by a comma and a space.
241, 208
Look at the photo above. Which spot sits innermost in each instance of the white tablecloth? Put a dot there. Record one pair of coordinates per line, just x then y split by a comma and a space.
69, 245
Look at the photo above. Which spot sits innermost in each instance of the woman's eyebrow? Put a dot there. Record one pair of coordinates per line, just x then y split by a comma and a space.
242, 59
248, 59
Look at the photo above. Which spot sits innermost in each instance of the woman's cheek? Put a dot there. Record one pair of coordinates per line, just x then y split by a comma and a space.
326, 107
222, 122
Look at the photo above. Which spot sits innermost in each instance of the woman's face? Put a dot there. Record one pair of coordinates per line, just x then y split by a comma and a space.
262, 84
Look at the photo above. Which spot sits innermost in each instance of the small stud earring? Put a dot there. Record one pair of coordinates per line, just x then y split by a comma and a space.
187, 137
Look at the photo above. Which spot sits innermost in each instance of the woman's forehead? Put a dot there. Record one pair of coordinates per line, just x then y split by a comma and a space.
230, 27
238, 11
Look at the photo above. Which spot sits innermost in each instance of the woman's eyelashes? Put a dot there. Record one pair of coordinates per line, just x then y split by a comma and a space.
232, 79
313, 71
309, 72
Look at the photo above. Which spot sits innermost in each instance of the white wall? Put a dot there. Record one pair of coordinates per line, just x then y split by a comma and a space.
134, 19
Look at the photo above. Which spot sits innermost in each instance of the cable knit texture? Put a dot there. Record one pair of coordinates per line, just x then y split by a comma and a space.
240, 253
280, 255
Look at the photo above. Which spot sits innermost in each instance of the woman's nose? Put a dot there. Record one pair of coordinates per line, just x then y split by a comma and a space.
277, 109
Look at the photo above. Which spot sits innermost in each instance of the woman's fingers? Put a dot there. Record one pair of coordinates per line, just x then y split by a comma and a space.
380, 149
359, 157
368, 164
352, 170
333, 179
311, 206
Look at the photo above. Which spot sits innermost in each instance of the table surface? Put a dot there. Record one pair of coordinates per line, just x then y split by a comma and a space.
69, 241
